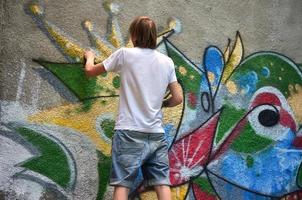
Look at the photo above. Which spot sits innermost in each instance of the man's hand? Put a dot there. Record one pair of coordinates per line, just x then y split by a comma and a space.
177, 95
92, 69
89, 55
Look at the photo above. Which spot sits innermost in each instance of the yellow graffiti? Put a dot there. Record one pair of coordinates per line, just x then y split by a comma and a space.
182, 70
178, 193
104, 48
113, 37
99, 43
294, 100
71, 49
234, 59
106, 82
173, 24
211, 77
35, 9
84, 122
231, 86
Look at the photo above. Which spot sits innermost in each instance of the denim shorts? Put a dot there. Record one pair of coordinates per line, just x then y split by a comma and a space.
132, 150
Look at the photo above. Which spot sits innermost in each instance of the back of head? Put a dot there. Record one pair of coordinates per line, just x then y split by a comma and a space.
143, 32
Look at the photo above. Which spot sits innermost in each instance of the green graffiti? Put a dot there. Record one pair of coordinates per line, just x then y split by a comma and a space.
250, 142
280, 68
52, 162
108, 127
104, 164
74, 77
299, 177
204, 185
85, 105
116, 82
228, 118
190, 78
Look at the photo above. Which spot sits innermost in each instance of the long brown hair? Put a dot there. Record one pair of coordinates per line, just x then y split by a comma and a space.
143, 31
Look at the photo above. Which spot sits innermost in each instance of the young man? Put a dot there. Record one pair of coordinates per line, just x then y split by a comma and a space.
139, 140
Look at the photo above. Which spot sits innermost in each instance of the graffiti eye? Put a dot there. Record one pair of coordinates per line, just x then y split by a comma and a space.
268, 117
265, 120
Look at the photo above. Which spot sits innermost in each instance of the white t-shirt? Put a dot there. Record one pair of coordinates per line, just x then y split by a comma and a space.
144, 76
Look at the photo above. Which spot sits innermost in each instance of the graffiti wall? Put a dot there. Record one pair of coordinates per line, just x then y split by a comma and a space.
237, 134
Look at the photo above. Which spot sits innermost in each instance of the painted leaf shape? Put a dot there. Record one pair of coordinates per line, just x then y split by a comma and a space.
234, 59
213, 64
73, 76
52, 162
188, 74
75, 79
188, 155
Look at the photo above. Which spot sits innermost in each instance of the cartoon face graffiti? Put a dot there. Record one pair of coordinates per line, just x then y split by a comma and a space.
261, 152
254, 136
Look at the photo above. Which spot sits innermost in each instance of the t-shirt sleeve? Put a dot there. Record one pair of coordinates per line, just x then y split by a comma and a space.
114, 62
172, 77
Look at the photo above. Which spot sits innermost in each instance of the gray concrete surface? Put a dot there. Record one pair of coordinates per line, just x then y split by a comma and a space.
264, 25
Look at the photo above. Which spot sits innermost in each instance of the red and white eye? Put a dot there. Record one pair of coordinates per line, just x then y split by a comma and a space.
270, 116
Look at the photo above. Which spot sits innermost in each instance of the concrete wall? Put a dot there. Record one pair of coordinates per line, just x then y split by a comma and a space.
236, 136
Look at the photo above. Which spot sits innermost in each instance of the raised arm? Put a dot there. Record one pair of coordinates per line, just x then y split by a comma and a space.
92, 69
176, 95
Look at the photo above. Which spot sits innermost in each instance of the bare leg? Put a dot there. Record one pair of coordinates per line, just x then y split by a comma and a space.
120, 193
163, 192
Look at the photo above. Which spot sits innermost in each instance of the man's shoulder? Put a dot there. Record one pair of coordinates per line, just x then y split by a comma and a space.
136, 51
130, 49
164, 57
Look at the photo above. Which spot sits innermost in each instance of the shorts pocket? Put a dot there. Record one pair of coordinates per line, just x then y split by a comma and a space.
130, 154
131, 147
